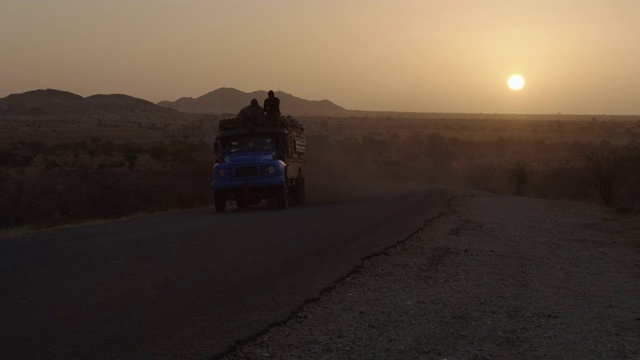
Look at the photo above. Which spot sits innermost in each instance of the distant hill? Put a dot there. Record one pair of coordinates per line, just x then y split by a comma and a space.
56, 103
231, 101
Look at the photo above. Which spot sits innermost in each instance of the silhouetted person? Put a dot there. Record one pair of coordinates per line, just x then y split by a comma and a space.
252, 114
272, 108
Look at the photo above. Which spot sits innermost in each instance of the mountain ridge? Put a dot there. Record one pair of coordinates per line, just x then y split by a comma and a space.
47, 103
52, 102
227, 100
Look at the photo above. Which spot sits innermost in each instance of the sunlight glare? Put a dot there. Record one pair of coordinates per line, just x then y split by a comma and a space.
515, 82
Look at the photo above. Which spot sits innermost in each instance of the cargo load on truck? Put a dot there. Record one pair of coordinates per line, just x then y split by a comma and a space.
259, 161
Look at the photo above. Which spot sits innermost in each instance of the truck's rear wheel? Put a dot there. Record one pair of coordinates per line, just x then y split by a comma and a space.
302, 191
298, 191
220, 200
283, 197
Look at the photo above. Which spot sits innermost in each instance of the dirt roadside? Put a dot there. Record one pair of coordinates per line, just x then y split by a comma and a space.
493, 278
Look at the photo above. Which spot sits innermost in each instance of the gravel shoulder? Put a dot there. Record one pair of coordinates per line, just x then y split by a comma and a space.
493, 277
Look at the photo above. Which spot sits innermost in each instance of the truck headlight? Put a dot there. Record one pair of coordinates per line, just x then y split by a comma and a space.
271, 169
221, 173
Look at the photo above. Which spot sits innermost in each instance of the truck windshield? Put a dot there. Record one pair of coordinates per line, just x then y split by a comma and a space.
250, 143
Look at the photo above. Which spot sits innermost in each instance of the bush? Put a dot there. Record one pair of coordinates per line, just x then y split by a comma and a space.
55, 194
520, 174
604, 165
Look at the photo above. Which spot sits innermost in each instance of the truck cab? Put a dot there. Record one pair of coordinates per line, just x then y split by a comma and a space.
258, 162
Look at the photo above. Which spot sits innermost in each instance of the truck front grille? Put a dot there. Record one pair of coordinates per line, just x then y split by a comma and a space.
244, 171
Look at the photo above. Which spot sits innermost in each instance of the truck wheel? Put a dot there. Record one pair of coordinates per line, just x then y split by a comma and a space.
283, 197
294, 196
302, 190
297, 191
220, 200
241, 203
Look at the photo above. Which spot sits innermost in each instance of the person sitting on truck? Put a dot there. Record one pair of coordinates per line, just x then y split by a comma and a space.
272, 107
252, 114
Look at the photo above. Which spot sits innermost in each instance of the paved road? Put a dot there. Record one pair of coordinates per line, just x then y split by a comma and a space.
187, 284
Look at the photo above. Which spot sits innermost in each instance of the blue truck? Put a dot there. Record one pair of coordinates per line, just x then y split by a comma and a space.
258, 162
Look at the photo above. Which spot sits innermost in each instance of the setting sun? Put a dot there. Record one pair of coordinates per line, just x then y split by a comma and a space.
515, 82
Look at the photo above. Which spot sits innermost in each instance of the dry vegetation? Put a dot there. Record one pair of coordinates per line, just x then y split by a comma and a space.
55, 171
557, 157
64, 169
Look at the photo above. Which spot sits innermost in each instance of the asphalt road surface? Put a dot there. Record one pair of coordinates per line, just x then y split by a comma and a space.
186, 284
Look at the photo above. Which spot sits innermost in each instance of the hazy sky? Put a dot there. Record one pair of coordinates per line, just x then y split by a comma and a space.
577, 56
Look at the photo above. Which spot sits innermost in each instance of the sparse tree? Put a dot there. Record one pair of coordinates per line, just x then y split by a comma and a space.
632, 173
130, 154
519, 176
604, 165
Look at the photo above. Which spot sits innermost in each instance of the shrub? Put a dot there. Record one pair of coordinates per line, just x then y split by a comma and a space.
604, 165
519, 176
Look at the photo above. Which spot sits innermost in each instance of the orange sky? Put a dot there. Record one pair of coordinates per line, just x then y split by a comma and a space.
577, 56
